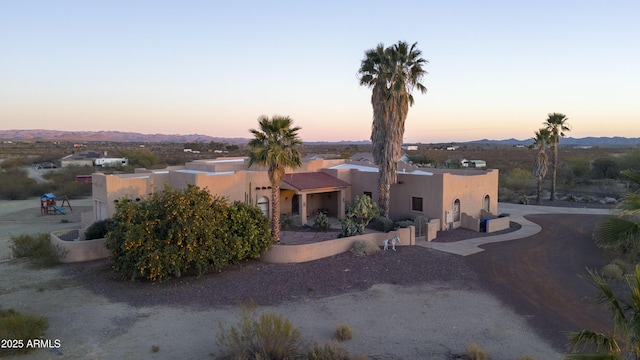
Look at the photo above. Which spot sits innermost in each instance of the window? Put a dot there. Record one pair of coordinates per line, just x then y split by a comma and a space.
456, 210
369, 194
486, 203
263, 204
416, 203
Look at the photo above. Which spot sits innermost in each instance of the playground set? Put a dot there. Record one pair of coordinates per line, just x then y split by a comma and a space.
48, 205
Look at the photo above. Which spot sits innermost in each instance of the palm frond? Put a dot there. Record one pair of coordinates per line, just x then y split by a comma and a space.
604, 345
616, 231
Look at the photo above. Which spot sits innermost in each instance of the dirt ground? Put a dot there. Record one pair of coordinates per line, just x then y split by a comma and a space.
408, 315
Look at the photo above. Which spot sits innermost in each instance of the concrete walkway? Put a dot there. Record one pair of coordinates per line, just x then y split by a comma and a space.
516, 214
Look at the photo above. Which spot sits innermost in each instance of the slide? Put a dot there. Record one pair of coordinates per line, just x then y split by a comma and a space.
58, 209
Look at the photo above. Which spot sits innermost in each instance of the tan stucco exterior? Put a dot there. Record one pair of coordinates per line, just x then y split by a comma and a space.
436, 190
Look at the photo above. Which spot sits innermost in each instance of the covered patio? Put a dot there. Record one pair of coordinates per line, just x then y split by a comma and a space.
303, 195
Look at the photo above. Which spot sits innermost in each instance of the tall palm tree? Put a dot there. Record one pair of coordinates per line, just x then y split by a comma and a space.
622, 230
557, 125
392, 73
541, 162
275, 145
624, 343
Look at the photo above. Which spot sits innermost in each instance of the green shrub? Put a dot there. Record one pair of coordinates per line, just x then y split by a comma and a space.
177, 231
363, 248
476, 351
410, 217
359, 214
38, 249
612, 271
330, 351
321, 222
382, 223
21, 327
404, 223
343, 332
98, 230
267, 336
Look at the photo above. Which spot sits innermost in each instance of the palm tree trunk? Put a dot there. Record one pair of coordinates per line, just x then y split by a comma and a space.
555, 166
275, 223
385, 189
539, 197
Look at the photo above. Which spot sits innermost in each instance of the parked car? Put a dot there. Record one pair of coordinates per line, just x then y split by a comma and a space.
47, 165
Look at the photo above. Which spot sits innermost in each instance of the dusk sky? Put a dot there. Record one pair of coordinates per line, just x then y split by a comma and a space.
496, 68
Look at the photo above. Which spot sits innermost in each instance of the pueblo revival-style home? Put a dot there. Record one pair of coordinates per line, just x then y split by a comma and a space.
451, 197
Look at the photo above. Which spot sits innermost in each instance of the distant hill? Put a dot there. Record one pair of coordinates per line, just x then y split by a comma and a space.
616, 141
120, 136
112, 136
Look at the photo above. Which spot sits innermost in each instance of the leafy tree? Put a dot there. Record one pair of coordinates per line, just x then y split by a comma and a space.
392, 73
174, 232
541, 163
275, 146
622, 230
604, 168
141, 158
624, 343
557, 125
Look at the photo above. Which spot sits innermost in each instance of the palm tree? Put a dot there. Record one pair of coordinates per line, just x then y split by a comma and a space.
557, 125
392, 73
625, 310
622, 230
541, 163
275, 146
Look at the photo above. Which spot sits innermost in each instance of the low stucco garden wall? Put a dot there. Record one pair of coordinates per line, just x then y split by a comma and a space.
281, 254
79, 250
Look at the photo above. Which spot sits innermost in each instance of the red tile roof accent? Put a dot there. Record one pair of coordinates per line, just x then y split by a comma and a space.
313, 180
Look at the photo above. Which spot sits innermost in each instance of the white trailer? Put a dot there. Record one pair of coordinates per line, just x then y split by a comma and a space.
107, 162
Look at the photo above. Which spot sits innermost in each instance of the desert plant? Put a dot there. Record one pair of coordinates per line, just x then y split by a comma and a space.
383, 224
625, 311
264, 336
321, 222
38, 249
21, 328
359, 214
330, 351
403, 223
343, 332
612, 272
363, 248
476, 351
98, 230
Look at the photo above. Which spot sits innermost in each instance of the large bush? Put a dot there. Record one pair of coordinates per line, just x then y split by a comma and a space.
178, 231
359, 214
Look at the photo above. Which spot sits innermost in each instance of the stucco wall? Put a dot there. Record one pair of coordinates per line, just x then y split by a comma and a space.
301, 253
78, 251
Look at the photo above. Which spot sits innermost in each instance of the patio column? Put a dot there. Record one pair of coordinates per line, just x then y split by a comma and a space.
341, 203
303, 208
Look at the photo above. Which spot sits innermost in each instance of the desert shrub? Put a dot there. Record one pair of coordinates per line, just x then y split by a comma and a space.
403, 223
612, 271
38, 249
524, 200
264, 336
409, 217
343, 332
382, 223
330, 351
363, 248
15, 184
476, 351
359, 214
321, 222
176, 231
518, 179
21, 327
98, 230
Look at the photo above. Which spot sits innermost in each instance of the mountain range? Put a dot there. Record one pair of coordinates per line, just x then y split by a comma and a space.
120, 136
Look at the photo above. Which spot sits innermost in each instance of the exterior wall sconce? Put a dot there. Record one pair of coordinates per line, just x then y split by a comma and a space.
264, 188
257, 187
400, 182
286, 198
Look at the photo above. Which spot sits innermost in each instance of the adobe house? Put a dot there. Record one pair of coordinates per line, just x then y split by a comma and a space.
447, 195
